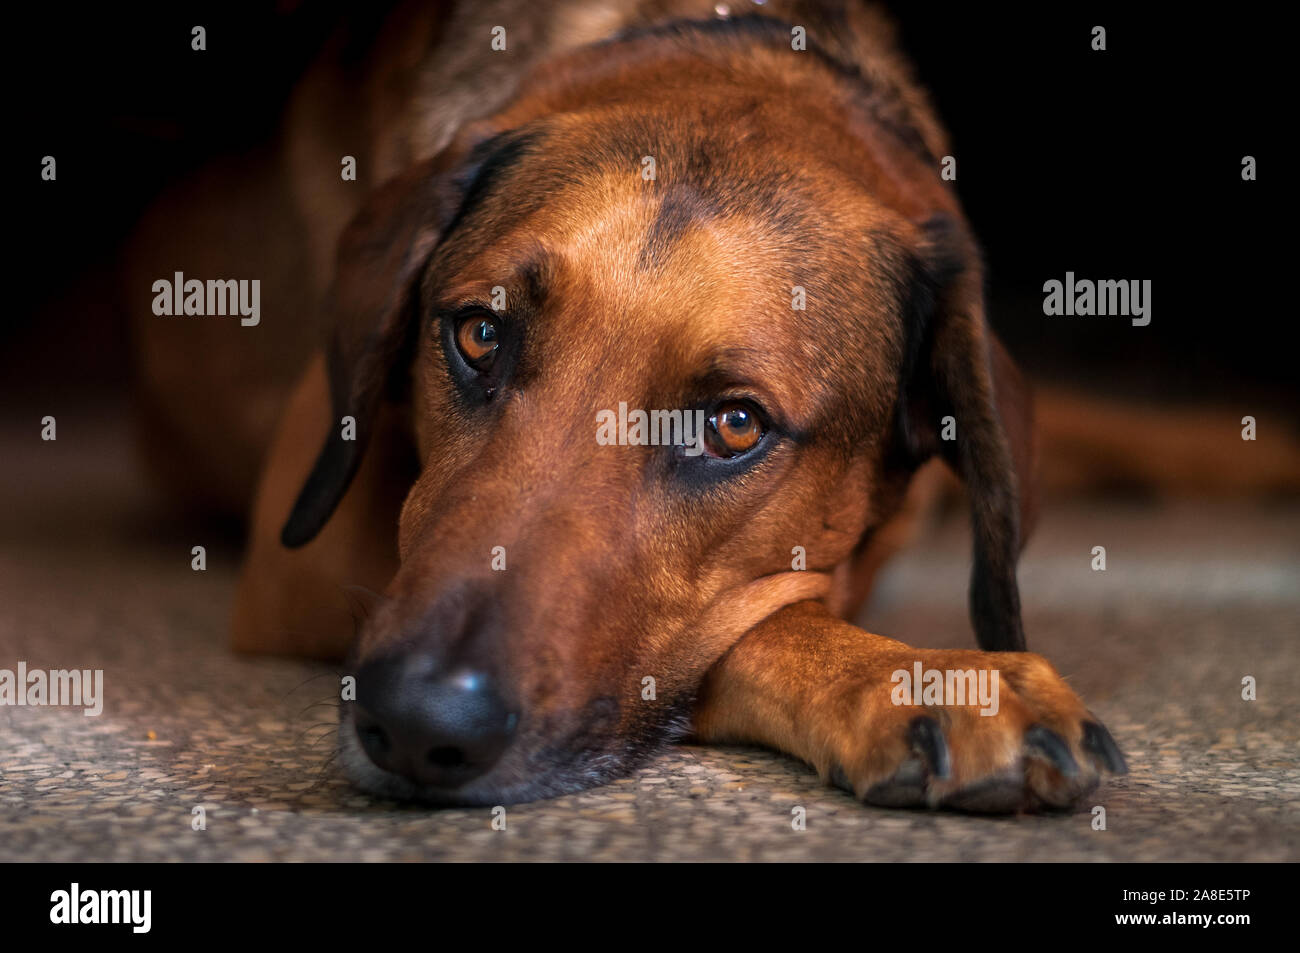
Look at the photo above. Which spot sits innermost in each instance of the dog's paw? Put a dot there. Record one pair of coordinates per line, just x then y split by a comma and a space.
1025, 742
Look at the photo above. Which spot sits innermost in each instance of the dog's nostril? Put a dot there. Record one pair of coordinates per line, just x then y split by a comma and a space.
447, 757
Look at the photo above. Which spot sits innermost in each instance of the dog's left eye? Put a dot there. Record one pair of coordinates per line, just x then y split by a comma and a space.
734, 428
478, 339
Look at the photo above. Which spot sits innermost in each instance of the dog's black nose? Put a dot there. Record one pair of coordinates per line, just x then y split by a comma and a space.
435, 727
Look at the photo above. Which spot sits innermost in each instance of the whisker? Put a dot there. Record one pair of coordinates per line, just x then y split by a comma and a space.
331, 702
326, 765
323, 724
310, 680
325, 734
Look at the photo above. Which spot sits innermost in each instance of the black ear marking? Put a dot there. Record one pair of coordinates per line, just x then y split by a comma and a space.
947, 372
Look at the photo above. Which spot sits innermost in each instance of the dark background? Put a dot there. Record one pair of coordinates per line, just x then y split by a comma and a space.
1119, 164
1123, 164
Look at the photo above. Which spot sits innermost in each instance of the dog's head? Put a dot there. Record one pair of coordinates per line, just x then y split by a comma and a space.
643, 234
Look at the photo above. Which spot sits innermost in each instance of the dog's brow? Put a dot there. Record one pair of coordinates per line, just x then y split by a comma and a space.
747, 369
536, 275
527, 284
682, 207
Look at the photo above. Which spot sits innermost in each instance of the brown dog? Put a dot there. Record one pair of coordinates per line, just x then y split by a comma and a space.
742, 217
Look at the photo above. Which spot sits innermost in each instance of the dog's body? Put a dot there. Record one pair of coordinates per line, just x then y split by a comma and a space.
663, 209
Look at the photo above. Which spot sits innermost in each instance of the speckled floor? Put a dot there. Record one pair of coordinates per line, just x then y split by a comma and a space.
1195, 598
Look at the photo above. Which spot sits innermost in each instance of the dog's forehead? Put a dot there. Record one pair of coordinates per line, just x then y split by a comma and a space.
702, 276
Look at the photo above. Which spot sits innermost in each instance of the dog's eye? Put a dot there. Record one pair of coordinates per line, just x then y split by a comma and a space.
478, 337
733, 429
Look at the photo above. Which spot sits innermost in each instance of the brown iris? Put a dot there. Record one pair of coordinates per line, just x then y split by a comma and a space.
477, 338
734, 429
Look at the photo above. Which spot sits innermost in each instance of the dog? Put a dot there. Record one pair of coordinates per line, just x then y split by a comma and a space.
737, 215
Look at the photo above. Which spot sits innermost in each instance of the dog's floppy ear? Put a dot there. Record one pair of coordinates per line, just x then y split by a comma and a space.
964, 399
381, 256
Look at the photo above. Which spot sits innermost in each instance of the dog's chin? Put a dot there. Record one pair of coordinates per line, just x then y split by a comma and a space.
506, 784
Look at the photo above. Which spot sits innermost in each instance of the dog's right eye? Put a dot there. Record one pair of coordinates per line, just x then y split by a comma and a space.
478, 339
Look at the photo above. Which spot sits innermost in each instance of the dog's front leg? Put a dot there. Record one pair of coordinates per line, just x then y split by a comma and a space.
885, 721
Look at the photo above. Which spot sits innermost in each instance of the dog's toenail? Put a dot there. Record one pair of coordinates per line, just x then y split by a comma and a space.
1044, 742
1098, 741
926, 738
